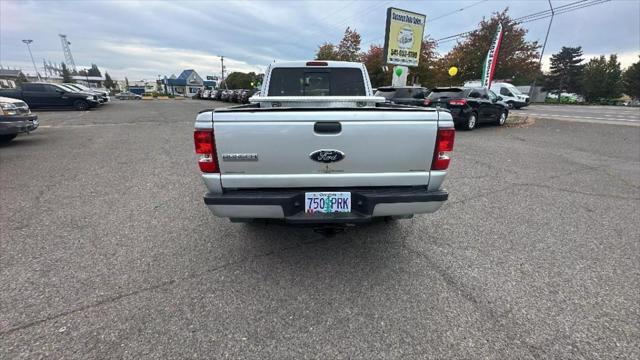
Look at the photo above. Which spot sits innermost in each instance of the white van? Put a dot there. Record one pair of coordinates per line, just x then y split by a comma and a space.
509, 93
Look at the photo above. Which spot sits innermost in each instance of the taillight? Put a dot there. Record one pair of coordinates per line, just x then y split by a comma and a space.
444, 145
426, 102
459, 102
317, 63
206, 150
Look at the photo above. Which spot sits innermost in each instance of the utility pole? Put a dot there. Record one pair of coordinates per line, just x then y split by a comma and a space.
28, 41
222, 73
544, 45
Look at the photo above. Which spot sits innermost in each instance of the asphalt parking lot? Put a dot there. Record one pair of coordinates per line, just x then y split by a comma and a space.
107, 251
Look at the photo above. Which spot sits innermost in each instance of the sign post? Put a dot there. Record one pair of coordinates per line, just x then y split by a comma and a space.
403, 42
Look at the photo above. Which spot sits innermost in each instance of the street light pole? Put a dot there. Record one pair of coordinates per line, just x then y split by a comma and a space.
28, 41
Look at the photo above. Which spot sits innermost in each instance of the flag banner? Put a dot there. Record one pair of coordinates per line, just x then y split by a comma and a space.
489, 67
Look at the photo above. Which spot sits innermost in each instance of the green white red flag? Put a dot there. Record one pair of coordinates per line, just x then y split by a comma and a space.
489, 67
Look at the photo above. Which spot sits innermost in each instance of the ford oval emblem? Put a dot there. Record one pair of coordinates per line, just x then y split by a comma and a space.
326, 156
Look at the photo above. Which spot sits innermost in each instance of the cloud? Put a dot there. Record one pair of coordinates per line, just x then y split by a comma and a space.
141, 39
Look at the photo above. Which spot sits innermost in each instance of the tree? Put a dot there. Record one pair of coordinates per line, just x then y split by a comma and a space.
430, 72
379, 74
66, 75
349, 47
602, 79
347, 50
240, 80
517, 60
21, 79
631, 81
126, 83
327, 51
94, 71
566, 71
108, 82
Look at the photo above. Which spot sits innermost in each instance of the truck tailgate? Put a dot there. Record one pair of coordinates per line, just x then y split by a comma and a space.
272, 148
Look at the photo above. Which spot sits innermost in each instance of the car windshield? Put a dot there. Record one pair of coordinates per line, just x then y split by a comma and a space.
514, 90
316, 82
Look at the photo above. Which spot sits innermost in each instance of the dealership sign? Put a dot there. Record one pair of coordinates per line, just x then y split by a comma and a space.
403, 37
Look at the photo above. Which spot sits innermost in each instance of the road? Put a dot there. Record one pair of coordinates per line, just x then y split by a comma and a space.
107, 251
615, 115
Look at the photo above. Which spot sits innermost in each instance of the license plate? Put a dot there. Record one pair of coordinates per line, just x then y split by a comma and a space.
327, 202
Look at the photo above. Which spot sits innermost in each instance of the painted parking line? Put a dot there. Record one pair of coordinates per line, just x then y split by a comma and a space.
586, 119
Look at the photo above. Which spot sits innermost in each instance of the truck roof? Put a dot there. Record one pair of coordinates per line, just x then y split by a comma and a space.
330, 63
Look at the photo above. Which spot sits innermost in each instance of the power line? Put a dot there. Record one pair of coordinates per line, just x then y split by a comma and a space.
535, 16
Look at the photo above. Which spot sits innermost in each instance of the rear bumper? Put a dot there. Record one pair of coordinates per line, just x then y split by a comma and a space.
18, 124
366, 203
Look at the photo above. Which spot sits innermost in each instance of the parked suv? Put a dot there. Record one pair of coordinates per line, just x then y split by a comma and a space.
405, 95
469, 106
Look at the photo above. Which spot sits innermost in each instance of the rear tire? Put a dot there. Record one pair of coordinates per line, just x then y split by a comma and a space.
6, 138
502, 118
81, 105
510, 104
471, 122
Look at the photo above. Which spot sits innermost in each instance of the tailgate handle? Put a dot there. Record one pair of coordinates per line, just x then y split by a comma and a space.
327, 127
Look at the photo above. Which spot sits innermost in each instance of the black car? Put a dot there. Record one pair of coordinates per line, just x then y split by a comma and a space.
245, 95
51, 95
224, 96
405, 95
469, 106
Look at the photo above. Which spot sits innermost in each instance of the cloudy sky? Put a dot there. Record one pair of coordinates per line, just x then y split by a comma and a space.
144, 39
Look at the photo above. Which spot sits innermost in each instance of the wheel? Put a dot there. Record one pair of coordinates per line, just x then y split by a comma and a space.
6, 138
502, 118
81, 105
471, 122
510, 104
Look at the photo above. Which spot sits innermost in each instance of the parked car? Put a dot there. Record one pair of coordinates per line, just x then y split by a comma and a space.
469, 106
205, 94
101, 93
128, 95
214, 94
225, 95
233, 97
101, 98
15, 118
244, 96
325, 151
50, 95
405, 95
509, 93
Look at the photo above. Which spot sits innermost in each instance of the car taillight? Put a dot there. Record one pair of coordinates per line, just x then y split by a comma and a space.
206, 150
444, 145
458, 102
426, 102
317, 63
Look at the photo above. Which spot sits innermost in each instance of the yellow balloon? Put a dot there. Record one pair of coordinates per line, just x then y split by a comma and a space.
453, 71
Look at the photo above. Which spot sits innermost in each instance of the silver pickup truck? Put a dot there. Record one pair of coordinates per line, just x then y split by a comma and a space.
317, 147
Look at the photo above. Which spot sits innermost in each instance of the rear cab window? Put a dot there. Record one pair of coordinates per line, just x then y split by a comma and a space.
448, 93
316, 82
